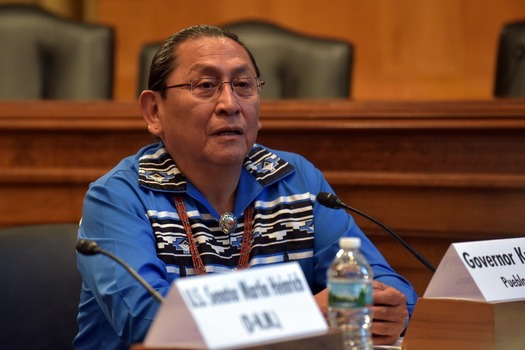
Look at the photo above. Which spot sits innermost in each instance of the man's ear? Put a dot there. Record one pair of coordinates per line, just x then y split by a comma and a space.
149, 102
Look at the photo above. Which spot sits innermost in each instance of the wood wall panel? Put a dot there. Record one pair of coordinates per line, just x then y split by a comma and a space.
405, 49
434, 172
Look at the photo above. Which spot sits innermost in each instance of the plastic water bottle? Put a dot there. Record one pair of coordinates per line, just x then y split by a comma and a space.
351, 295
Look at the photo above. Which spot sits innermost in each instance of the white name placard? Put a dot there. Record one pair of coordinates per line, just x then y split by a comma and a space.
227, 311
492, 271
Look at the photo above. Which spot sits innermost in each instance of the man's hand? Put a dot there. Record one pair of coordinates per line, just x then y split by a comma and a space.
389, 314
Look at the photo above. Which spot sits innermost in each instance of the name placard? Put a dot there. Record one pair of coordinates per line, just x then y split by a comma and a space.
227, 311
492, 271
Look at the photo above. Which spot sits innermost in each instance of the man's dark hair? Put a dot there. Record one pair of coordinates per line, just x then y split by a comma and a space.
166, 60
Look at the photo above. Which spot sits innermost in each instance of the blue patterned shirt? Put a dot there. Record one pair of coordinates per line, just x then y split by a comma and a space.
131, 212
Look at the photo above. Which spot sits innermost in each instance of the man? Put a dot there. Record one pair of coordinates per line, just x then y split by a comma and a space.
206, 198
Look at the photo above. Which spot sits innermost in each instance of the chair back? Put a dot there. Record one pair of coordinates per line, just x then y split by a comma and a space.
510, 62
44, 56
293, 65
40, 287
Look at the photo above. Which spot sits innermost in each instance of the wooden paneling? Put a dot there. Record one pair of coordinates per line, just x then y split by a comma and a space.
405, 49
434, 172
52, 151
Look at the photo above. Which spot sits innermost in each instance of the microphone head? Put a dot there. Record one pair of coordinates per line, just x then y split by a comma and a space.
87, 247
329, 200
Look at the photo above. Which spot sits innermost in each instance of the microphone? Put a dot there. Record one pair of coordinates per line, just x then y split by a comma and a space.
330, 200
87, 247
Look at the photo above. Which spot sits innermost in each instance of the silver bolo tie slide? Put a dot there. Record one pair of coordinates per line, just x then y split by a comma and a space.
228, 222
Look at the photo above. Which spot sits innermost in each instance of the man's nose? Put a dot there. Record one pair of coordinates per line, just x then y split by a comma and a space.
231, 90
228, 91
227, 101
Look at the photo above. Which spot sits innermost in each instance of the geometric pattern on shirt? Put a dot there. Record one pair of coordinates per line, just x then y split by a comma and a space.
159, 171
283, 230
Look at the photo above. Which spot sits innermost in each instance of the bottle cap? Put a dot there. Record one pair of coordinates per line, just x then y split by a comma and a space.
350, 242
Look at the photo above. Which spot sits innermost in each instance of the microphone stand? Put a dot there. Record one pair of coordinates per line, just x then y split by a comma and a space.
418, 256
332, 201
87, 247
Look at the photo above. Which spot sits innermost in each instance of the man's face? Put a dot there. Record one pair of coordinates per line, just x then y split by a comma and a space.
217, 131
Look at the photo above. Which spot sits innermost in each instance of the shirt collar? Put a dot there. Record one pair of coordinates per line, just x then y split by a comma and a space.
158, 171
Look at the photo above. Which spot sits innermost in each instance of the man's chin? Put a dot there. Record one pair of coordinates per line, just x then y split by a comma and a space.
228, 157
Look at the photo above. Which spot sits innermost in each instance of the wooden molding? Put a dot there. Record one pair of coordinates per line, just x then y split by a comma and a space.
435, 172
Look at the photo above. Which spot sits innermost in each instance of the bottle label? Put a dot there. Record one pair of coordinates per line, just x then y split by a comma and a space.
350, 294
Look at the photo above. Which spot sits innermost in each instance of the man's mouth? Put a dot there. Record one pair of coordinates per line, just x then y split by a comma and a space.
228, 132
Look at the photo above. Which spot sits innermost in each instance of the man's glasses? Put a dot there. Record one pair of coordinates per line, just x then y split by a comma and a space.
210, 87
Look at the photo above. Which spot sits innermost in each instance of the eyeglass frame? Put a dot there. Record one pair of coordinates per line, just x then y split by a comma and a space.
259, 82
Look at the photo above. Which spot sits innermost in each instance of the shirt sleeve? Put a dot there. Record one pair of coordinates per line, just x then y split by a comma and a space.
114, 217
